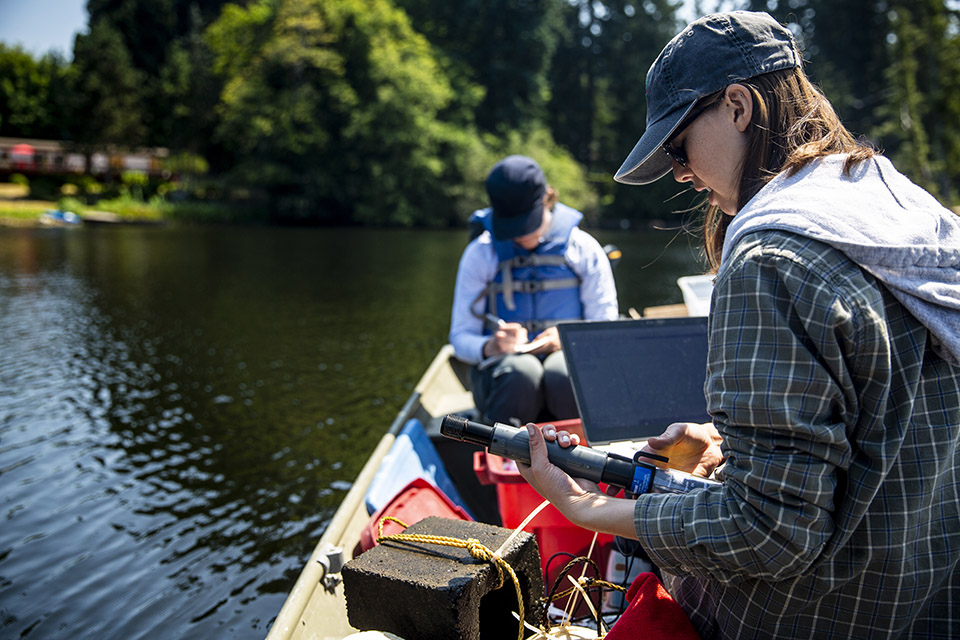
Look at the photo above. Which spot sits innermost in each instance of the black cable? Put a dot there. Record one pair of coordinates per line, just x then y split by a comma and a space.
546, 593
598, 606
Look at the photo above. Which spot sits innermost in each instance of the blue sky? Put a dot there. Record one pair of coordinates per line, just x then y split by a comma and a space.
42, 25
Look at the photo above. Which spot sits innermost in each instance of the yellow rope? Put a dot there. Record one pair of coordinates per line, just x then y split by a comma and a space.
475, 547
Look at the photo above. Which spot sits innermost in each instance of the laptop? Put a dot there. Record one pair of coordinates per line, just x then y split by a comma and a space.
632, 378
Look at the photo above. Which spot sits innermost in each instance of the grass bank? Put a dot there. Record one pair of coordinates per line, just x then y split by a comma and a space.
18, 209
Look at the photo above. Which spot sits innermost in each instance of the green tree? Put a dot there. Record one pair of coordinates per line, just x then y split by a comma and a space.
906, 109
27, 105
947, 129
163, 39
149, 26
334, 106
186, 95
504, 46
598, 101
844, 45
104, 91
921, 118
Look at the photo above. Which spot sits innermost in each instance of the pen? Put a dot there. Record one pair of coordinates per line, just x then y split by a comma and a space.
495, 320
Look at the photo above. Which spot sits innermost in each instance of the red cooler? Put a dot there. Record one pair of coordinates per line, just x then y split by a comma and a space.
412, 504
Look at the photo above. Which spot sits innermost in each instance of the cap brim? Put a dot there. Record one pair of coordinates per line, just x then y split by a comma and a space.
648, 162
505, 228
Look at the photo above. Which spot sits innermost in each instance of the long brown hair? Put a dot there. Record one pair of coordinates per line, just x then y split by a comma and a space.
792, 125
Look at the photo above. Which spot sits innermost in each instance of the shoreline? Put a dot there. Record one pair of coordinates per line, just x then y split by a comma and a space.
31, 219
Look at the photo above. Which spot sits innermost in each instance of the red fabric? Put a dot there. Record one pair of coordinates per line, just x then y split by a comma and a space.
652, 614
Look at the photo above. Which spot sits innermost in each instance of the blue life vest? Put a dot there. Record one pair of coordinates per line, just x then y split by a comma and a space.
537, 289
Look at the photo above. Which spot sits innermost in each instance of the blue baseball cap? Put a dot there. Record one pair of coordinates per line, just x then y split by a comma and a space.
516, 186
708, 55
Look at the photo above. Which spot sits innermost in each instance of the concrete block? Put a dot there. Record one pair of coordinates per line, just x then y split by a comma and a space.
425, 591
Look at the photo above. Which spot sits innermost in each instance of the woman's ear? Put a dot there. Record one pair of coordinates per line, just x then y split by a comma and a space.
741, 104
550, 198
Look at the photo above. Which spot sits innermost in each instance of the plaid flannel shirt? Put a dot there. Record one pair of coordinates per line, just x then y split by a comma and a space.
838, 514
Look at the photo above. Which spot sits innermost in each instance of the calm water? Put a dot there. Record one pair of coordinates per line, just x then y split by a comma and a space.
182, 409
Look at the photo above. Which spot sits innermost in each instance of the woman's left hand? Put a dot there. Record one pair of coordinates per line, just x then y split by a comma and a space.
581, 501
549, 480
547, 340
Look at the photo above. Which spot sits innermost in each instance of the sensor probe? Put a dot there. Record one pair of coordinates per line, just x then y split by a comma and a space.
632, 475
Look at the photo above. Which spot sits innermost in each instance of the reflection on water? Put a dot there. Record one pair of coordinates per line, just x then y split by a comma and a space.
181, 410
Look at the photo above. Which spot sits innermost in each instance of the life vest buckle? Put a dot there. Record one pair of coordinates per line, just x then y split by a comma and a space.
530, 286
521, 262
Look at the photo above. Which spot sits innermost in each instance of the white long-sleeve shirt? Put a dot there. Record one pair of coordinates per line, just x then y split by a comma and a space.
478, 267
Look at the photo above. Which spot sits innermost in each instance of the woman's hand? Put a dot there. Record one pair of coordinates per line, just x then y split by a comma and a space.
508, 337
581, 501
691, 447
565, 438
547, 341
549, 480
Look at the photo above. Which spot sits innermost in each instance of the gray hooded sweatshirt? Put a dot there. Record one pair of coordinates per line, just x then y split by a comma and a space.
889, 226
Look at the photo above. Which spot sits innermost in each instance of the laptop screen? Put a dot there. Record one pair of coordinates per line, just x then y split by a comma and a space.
632, 378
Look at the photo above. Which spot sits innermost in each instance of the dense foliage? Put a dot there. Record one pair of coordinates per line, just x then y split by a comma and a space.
28, 93
390, 112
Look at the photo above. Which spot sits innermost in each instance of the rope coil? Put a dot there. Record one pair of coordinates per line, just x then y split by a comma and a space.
474, 546
588, 583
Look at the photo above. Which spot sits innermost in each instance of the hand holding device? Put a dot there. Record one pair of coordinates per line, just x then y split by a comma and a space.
632, 475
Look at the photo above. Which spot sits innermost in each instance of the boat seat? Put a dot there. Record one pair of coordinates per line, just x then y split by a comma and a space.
412, 455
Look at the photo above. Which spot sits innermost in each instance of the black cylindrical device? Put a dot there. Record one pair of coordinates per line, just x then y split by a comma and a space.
581, 462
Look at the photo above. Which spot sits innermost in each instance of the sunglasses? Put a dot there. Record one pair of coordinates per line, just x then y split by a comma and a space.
680, 155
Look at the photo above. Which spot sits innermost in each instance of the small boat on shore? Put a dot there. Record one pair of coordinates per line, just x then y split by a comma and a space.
481, 487
106, 218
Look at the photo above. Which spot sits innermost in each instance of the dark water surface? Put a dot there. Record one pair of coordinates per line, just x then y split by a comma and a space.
182, 409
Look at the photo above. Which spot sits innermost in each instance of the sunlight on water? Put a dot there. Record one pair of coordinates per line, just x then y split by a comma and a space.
115, 506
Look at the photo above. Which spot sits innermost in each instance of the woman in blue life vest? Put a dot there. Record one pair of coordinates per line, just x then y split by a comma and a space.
531, 268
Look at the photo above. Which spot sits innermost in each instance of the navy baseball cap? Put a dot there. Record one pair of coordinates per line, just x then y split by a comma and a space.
708, 55
516, 186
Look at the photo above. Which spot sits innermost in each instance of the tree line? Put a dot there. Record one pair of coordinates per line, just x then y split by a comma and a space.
390, 112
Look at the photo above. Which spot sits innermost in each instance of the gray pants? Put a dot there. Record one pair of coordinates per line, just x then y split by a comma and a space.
523, 388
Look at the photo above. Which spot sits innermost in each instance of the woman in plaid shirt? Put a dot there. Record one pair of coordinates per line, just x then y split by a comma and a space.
833, 378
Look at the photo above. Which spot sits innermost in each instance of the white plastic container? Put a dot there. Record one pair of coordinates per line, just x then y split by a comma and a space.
696, 293
617, 573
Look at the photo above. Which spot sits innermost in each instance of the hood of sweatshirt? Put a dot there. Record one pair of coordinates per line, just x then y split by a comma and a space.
892, 228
